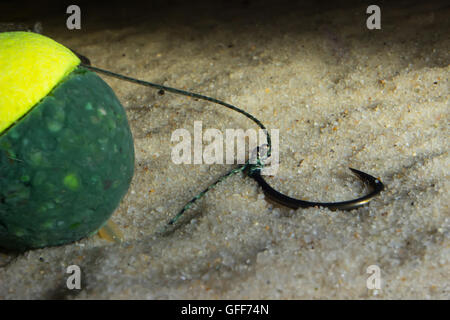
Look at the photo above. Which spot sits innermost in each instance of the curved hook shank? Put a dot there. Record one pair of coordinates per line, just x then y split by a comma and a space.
373, 183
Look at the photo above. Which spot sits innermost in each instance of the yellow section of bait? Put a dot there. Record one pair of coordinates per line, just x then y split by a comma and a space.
31, 65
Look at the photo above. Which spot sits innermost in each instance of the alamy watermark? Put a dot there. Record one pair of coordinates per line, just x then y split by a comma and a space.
374, 20
74, 20
374, 280
74, 280
190, 150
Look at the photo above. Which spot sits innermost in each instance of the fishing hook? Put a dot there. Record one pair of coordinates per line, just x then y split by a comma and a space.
254, 170
374, 184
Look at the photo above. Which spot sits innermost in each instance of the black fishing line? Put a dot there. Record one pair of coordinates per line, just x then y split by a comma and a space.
248, 165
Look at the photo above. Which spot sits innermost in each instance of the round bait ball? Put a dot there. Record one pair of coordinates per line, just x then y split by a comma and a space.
66, 149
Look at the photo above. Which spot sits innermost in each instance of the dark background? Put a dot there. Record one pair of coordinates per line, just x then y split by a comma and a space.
117, 14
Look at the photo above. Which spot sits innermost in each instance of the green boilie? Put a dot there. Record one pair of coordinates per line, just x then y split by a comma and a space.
64, 165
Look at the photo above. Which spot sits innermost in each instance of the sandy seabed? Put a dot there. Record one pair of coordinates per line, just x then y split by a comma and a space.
341, 96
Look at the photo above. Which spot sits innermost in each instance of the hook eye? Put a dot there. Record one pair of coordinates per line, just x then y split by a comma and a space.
374, 184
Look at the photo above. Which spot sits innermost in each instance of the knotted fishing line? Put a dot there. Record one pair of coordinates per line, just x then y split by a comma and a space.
254, 165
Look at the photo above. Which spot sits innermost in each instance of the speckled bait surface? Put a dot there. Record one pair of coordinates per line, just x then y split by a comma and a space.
66, 149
